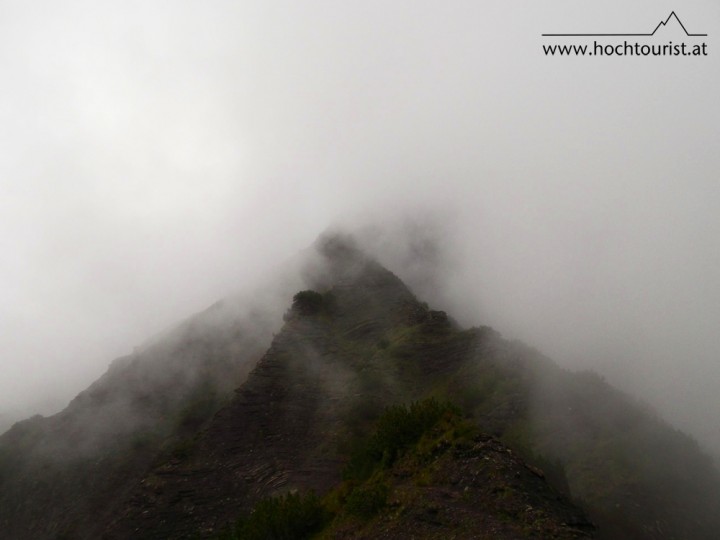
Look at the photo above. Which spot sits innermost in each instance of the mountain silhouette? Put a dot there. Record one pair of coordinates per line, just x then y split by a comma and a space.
662, 24
676, 21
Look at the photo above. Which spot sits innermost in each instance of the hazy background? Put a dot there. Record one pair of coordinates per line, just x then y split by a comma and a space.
155, 156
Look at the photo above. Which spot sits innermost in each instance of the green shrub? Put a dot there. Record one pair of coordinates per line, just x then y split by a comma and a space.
288, 517
367, 500
398, 428
307, 302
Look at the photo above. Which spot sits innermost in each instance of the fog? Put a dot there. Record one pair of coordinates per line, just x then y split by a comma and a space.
157, 156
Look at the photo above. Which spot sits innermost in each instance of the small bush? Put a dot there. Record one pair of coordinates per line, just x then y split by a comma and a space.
307, 302
288, 517
366, 501
398, 428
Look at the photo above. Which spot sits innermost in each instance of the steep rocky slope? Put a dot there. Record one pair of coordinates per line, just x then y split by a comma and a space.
63, 475
473, 489
283, 428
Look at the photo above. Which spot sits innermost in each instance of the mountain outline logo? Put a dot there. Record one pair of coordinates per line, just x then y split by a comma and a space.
661, 24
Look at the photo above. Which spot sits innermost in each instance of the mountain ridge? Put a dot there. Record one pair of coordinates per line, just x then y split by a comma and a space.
353, 343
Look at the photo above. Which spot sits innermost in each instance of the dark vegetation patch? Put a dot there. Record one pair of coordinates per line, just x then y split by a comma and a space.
398, 428
308, 302
292, 516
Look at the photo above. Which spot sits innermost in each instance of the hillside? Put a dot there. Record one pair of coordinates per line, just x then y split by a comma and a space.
63, 475
161, 447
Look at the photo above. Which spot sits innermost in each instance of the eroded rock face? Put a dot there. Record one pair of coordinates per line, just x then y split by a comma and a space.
283, 428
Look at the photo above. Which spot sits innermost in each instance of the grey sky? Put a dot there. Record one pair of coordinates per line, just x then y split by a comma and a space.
156, 155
